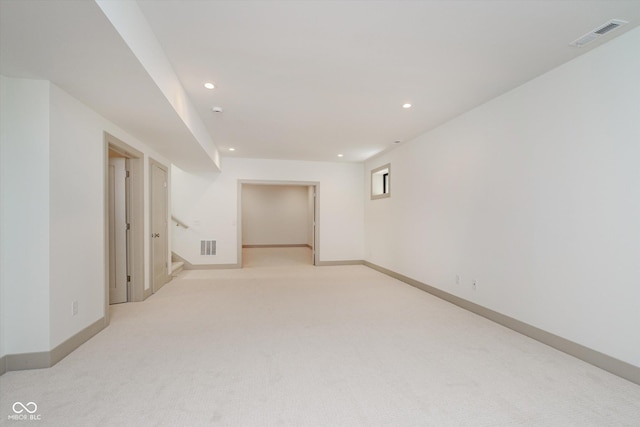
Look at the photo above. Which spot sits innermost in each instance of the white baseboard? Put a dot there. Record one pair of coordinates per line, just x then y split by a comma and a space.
46, 359
610, 364
344, 262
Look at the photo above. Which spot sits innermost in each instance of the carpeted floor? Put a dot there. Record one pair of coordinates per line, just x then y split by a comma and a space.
275, 257
297, 345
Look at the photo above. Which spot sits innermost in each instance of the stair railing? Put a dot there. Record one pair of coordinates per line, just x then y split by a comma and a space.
179, 223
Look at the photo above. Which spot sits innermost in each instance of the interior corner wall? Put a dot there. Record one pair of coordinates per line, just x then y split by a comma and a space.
209, 205
533, 194
78, 210
52, 208
24, 202
77, 216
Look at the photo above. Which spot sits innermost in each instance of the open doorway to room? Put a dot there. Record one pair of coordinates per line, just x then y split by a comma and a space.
124, 228
277, 223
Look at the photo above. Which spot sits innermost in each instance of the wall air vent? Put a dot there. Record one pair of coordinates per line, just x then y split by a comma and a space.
598, 32
207, 247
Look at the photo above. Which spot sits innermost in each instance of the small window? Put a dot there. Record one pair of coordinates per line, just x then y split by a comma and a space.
381, 182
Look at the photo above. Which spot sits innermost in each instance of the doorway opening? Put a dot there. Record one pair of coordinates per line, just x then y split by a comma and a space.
278, 223
124, 223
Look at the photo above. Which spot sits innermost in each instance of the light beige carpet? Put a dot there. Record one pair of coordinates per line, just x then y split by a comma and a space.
298, 345
275, 257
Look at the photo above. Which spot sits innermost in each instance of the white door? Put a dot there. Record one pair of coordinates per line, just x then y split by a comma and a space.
159, 226
117, 231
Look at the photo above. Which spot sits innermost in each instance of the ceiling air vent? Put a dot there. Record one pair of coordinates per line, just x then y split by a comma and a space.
600, 31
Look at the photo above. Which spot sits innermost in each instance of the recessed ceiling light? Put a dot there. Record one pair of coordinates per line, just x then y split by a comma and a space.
340, 155
209, 85
406, 105
232, 149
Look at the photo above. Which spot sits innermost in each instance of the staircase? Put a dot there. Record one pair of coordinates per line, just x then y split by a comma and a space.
177, 264
176, 268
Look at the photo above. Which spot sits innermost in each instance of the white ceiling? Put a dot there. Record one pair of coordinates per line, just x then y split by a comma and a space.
303, 79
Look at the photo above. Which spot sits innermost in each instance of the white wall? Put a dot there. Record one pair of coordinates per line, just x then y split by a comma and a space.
275, 214
24, 203
77, 212
535, 195
77, 216
209, 204
2, 215
53, 207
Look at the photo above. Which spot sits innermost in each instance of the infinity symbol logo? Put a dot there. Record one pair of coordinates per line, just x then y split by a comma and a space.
30, 407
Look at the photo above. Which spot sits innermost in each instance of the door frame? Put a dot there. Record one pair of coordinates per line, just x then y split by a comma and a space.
316, 213
166, 279
136, 220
